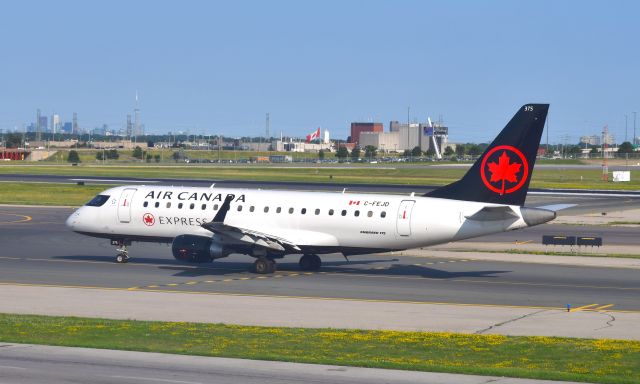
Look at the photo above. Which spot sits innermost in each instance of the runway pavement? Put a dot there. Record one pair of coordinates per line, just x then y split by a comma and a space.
38, 249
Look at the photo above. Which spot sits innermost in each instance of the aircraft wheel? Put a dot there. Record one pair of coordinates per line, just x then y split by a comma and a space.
264, 266
310, 262
121, 258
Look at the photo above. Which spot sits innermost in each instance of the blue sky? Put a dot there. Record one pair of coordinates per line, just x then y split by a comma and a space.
217, 67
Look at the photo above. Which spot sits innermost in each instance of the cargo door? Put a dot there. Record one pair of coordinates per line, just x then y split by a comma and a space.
124, 205
403, 220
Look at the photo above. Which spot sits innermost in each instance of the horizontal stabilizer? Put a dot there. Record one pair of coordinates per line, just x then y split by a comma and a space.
557, 207
494, 214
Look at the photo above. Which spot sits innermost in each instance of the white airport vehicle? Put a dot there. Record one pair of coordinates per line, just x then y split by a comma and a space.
204, 224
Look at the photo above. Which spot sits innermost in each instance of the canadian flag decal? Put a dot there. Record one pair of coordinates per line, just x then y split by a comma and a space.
354, 202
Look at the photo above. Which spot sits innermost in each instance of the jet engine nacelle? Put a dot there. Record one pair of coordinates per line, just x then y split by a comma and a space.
197, 249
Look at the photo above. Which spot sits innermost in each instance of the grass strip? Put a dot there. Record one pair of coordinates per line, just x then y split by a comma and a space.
553, 358
569, 178
548, 253
48, 193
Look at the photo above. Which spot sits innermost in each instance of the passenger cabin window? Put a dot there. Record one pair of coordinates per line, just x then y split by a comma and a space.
317, 211
290, 210
331, 212
266, 209
278, 210
168, 204
179, 205
383, 214
204, 206
303, 211
98, 201
215, 207
344, 212
239, 208
356, 213
252, 208
157, 204
145, 204
191, 206
370, 214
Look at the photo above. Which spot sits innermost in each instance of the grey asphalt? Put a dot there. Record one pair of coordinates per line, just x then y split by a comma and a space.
34, 364
42, 251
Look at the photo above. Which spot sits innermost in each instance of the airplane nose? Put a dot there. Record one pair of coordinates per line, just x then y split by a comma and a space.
71, 220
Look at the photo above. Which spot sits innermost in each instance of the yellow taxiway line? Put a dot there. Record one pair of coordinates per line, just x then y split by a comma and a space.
22, 218
136, 289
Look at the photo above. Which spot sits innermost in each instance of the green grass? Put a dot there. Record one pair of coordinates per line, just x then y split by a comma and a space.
552, 358
48, 194
379, 174
88, 156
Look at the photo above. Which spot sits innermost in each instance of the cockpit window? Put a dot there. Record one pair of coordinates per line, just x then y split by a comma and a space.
98, 201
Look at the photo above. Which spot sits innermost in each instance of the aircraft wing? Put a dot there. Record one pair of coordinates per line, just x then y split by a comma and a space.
250, 236
260, 239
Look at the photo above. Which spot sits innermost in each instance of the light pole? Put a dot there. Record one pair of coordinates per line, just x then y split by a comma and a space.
634, 128
625, 127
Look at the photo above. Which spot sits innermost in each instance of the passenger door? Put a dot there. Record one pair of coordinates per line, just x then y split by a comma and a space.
124, 205
403, 219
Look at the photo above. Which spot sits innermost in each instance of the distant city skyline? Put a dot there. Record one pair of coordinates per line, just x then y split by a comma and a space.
218, 68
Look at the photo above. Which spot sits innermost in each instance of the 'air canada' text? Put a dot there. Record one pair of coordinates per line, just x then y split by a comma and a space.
194, 196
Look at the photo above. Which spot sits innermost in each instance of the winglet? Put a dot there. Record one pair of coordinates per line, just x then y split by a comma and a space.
222, 213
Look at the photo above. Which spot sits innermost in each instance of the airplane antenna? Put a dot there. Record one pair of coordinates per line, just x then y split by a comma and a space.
344, 190
212, 185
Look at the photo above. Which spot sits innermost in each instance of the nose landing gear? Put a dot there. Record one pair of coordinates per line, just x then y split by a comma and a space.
123, 254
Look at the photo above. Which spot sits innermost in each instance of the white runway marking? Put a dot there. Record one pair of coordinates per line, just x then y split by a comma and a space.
119, 181
11, 367
153, 379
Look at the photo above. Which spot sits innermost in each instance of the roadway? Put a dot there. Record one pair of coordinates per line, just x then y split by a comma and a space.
39, 250
36, 364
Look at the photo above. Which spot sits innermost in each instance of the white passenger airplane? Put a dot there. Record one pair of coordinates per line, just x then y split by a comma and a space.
204, 224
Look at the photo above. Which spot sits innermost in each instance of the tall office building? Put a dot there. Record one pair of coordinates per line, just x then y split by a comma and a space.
38, 127
75, 129
55, 124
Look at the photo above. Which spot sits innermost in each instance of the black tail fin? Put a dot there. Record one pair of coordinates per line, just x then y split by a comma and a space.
502, 174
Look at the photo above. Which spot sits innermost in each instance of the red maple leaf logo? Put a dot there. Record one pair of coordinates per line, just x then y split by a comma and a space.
148, 219
504, 170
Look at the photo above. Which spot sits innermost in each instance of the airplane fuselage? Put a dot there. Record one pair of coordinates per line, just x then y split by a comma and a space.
321, 222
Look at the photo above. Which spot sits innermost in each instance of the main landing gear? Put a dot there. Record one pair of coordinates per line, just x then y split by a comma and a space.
123, 254
263, 265
310, 262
